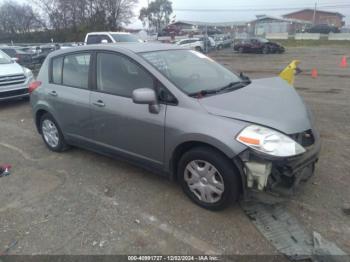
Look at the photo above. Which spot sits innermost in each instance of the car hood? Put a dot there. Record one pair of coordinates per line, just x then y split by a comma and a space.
10, 69
269, 102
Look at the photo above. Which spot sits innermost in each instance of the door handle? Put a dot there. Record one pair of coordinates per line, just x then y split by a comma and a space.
99, 103
53, 93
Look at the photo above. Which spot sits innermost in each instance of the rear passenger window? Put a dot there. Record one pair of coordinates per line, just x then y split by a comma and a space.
57, 70
120, 76
76, 70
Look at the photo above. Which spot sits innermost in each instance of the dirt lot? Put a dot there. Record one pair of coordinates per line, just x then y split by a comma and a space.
81, 203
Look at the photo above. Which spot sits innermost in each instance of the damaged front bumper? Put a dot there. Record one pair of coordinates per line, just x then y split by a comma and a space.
271, 179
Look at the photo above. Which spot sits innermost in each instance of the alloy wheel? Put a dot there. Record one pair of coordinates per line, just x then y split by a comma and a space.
50, 133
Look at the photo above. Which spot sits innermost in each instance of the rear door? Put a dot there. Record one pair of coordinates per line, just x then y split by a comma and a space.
69, 94
121, 126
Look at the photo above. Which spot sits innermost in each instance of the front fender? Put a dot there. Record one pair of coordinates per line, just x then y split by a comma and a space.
186, 125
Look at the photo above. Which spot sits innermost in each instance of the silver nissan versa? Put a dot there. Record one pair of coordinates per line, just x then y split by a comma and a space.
181, 114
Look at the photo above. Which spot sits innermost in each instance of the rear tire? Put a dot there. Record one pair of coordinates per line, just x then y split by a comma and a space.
52, 134
208, 178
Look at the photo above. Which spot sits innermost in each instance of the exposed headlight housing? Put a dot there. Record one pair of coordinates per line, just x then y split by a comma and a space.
269, 141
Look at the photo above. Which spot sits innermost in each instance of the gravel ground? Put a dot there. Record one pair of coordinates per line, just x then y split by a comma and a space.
79, 202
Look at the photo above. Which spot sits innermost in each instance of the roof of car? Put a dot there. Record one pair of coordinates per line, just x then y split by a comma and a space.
133, 47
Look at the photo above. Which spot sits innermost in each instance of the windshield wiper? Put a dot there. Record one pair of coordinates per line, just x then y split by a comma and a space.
245, 80
204, 92
233, 86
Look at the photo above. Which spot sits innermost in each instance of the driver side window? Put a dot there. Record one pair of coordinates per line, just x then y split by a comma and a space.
119, 75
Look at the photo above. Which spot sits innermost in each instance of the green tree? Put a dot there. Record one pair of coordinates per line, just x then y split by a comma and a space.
157, 14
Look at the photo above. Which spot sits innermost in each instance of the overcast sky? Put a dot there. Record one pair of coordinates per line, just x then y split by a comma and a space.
255, 7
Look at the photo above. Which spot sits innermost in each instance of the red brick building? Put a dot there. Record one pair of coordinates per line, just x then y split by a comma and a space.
321, 17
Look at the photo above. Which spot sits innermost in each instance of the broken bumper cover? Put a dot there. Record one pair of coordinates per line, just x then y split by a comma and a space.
280, 176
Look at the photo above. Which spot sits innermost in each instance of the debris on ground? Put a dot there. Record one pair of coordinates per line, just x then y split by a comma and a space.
327, 251
9, 247
137, 221
346, 209
287, 235
5, 170
103, 243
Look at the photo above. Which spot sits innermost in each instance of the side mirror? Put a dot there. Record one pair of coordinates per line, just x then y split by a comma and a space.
104, 41
146, 96
14, 59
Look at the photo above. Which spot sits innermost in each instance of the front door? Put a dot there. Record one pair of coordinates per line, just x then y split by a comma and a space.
119, 124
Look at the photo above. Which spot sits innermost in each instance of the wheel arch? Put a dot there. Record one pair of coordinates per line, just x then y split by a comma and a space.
39, 111
188, 145
38, 114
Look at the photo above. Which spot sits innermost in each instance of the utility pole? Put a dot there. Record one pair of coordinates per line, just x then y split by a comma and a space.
314, 17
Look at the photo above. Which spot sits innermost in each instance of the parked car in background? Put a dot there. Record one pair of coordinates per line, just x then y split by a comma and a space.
323, 29
223, 41
67, 45
24, 58
110, 37
42, 53
258, 45
14, 79
193, 43
176, 111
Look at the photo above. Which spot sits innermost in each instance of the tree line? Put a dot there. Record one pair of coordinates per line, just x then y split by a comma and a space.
70, 20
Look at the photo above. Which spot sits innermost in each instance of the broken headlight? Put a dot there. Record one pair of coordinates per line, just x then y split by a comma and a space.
269, 141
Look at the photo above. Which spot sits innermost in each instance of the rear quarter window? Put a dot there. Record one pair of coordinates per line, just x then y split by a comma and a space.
56, 75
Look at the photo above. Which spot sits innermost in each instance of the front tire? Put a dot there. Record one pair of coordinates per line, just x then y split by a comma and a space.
51, 134
208, 178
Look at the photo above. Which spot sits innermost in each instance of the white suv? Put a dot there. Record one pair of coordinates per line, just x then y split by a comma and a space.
14, 79
110, 37
193, 43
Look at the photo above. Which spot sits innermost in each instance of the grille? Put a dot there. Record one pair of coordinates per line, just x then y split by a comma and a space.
13, 93
12, 80
305, 138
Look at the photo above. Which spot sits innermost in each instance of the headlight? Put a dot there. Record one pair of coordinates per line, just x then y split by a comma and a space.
27, 72
269, 141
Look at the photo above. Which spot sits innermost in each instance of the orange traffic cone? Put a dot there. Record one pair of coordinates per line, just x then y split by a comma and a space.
343, 63
314, 73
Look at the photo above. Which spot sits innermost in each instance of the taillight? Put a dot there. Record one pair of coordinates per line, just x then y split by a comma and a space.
34, 85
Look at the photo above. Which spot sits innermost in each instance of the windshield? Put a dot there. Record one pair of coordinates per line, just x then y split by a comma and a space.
125, 38
191, 71
4, 59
